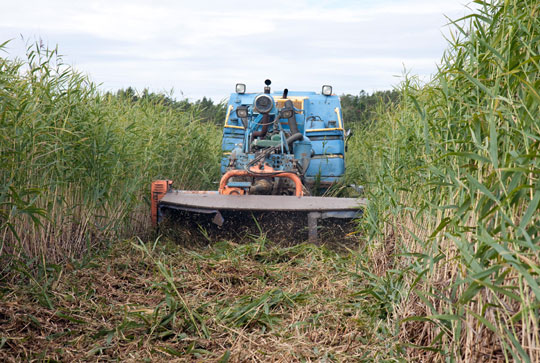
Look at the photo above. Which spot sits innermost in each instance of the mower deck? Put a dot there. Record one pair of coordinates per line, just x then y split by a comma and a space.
209, 202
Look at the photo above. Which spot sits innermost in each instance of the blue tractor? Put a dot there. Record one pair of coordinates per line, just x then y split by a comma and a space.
279, 149
300, 133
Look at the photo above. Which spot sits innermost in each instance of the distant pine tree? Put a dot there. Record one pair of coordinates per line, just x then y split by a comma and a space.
361, 109
203, 109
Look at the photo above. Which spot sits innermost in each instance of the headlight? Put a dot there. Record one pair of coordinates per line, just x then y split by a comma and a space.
263, 103
240, 88
326, 90
242, 111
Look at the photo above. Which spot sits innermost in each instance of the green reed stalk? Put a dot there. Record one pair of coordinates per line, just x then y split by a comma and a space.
455, 190
77, 164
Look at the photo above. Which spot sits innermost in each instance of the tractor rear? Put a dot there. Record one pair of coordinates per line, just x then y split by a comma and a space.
278, 151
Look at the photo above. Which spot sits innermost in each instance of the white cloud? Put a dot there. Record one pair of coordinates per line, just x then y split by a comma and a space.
204, 47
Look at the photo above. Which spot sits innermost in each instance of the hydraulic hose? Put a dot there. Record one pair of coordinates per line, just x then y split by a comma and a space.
294, 137
265, 124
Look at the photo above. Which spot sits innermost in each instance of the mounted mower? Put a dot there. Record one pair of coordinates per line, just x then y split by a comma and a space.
278, 150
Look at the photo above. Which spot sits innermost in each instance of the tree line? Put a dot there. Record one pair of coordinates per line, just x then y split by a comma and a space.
362, 109
204, 109
357, 109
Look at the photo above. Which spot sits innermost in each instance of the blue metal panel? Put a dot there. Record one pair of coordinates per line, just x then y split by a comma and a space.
325, 146
230, 141
321, 121
224, 164
234, 120
237, 184
321, 112
327, 142
326, 167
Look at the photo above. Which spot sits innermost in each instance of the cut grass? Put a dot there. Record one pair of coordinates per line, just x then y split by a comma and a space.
227, 301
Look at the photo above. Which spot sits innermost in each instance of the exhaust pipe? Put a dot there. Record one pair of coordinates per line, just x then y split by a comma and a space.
293, 126
264, 130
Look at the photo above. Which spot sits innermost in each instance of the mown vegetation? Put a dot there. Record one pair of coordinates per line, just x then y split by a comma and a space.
225, 302
453, 172
447, 268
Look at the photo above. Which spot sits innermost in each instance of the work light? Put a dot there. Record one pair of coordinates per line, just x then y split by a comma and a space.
240, 88
326, 90
242, 111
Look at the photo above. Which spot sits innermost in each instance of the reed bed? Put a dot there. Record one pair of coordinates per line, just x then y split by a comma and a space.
77, 164
448, 269
453, 174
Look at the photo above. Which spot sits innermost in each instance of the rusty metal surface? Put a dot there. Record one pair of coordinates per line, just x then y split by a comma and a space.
260, 202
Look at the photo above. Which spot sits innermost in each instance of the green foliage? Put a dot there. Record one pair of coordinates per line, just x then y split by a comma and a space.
362, 110
210, 112
453, 176
204, 109
250, 310
76, 164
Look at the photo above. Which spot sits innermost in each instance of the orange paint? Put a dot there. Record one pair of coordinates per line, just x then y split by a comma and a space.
256, 172
158, 190
233, 191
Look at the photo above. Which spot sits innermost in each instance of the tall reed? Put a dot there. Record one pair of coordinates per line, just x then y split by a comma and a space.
77, 164
453, 173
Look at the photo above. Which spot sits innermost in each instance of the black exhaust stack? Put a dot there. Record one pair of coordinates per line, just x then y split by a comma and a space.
267, 88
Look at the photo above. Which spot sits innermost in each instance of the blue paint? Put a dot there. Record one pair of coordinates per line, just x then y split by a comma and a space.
319, 156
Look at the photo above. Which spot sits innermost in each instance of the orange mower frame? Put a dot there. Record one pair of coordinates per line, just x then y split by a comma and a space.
257, 172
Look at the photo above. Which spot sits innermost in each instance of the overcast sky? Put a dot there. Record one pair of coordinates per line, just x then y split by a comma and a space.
203, 48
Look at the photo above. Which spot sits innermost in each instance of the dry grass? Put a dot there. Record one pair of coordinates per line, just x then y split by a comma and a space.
161, 302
